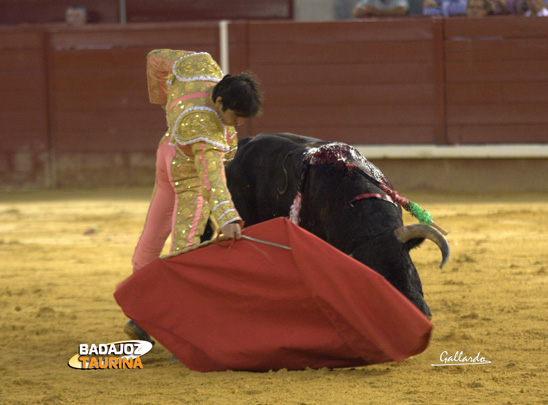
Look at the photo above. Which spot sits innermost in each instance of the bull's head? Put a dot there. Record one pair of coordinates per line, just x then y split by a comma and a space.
370, 230
388, 254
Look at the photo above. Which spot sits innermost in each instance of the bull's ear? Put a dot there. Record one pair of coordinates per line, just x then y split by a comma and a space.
413, 243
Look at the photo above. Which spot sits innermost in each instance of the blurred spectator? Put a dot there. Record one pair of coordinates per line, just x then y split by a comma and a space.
76, 15
381, 8
536, 8
415, 7
482, 8
507, 7
478, 8
343, 9
446, 8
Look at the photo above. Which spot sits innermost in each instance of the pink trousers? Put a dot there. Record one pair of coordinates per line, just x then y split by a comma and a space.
162, 210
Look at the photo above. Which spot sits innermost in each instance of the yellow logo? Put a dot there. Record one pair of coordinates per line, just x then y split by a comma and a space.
123, 354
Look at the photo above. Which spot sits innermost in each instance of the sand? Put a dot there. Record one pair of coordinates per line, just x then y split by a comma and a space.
57, 283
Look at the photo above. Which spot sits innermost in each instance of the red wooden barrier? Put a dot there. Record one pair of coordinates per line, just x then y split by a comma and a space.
24, 140
98, 84
497, 80
23, 107
73, 91
358, 82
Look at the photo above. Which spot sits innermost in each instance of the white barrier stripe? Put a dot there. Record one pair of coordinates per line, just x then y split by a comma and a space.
487, 151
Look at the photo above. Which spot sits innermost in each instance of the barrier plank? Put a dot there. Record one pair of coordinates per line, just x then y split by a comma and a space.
34, 81
497, 93
109, 121
126, 139
333, 115
497, 114
85, 59
517, 133
347, 94
340, 32
497, 50
349, 53
342, 74
495, 27
17, 100
77, 99
120, 80
20, 39
390, 134
21, 60
497, 71
16, 125
192, 36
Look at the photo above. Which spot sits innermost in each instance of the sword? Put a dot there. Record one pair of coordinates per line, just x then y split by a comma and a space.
217, 233
221, 238
265, 242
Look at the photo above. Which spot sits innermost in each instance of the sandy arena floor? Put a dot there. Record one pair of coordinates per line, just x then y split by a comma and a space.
56, 287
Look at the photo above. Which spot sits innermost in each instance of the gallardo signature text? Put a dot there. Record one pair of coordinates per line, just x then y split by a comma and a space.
459, 359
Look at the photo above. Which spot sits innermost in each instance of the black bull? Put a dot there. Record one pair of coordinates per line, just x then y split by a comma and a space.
266, 174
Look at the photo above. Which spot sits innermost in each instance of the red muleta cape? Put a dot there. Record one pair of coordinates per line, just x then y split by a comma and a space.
258, 307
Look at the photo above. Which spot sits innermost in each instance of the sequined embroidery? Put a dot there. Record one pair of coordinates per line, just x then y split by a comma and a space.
198, 66
200, 124
198, 199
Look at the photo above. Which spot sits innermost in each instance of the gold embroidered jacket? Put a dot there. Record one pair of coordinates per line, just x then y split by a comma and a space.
193, 124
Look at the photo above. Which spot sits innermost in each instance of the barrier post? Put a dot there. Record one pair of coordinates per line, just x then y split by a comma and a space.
440, 127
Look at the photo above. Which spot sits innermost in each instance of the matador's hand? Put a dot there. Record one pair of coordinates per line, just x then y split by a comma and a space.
232, 230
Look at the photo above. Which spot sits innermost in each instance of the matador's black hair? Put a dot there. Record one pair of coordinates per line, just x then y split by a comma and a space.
239, 93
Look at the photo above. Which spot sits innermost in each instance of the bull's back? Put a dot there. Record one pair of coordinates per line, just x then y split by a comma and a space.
263, 177
278, 143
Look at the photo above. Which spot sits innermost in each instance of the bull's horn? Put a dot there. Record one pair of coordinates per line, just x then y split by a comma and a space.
414, 231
